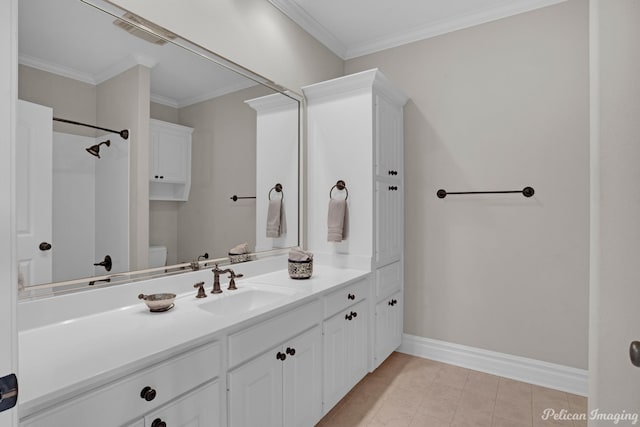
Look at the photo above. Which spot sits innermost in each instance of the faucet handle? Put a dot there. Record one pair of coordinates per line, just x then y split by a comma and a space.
201, 292
232, 281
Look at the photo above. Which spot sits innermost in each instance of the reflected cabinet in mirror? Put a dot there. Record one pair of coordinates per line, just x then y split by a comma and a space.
137, 150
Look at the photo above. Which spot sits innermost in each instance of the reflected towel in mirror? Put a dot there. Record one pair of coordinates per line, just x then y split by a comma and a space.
337, 220
276, 220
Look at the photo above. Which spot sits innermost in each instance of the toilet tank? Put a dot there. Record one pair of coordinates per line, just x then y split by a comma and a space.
157, 256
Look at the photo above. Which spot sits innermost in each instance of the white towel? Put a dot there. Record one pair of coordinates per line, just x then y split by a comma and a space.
276, 220
337, 220
299, 254
240, 249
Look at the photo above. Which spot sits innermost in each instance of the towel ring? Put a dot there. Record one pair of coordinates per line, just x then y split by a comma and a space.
278, 188
340, 185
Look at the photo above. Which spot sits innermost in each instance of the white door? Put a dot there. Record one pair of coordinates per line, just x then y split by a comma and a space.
8, 288
34, 192
614, 382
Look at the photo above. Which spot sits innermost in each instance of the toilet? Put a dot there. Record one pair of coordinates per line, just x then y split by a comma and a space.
157, 256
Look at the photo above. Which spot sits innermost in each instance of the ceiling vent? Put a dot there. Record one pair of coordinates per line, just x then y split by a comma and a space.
160, 37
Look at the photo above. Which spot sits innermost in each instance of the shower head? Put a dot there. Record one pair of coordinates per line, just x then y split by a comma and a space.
95, 149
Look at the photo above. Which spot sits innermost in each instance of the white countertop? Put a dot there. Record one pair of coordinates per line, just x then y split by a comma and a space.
61, 360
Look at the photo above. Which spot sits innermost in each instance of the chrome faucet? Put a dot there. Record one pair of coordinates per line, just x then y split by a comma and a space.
216, 279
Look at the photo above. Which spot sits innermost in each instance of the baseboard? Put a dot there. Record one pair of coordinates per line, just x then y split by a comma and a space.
559, 377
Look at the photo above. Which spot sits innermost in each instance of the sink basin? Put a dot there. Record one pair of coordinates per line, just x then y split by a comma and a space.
245, 300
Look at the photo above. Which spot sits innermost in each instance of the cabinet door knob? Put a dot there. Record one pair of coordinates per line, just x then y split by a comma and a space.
351, 296
158, 423
348, 317
390, 303
291, 351
281, 356
156, 176
354, 314
148, 394
44, 246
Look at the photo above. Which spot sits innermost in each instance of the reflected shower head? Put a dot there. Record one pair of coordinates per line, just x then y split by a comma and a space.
95, 149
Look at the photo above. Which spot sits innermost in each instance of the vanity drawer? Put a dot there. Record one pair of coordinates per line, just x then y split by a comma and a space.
257, 339
388, 279
122, 401
344, 297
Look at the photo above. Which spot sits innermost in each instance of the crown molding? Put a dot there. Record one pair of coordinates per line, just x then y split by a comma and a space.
59, 70
410, 35
298, 15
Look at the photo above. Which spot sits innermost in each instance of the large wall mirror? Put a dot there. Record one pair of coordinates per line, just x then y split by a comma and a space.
208, 163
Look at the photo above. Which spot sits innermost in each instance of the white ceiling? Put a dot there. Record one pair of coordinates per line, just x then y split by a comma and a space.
352, 28
75, 40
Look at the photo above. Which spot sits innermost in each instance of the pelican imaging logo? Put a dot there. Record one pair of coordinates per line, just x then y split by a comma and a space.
595, 415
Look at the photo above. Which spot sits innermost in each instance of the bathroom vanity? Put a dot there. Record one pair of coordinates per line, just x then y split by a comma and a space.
275, 352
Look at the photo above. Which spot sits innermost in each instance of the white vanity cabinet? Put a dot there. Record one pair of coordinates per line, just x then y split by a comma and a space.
388, 317
355, 134
172, 390
279, 385
169, 161
345, 333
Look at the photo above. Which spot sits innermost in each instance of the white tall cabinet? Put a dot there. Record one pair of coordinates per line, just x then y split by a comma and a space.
355, 134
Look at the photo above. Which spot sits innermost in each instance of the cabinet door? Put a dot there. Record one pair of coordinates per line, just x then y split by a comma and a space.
389, 222
388, 334
170, 154
388, 138
358, 339
345, 352
200, 408
302, 379
255, 392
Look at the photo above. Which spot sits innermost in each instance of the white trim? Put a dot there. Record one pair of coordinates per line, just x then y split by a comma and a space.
545, 374
310, 25
410, 35
59, 70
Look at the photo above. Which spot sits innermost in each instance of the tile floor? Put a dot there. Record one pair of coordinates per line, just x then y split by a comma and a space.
411, 391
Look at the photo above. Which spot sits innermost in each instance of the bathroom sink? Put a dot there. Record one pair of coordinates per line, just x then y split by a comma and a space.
245, 300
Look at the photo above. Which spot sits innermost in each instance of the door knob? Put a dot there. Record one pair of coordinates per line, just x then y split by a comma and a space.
44, 246
634, 353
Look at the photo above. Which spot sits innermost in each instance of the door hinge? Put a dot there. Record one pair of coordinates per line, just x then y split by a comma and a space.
8, 392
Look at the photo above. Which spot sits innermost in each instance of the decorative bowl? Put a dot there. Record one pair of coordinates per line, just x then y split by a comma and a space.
236, 258
158, 302
300, 269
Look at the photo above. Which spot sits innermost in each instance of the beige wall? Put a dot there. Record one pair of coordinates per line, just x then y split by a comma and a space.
223, 164
614, 384
70, 99
500, 106
252, 33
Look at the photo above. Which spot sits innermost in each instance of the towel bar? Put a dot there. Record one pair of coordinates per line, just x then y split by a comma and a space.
236, 198
278, 188
526, 192
340, 185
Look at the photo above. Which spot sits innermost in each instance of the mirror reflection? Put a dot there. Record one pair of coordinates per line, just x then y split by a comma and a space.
208, 164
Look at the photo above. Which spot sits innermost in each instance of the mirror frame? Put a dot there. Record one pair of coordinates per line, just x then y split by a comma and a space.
107, 280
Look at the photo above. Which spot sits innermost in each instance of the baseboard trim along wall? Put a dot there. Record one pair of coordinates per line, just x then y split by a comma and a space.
559, 377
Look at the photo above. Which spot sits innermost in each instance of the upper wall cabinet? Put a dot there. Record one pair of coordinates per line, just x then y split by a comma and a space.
170, 161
